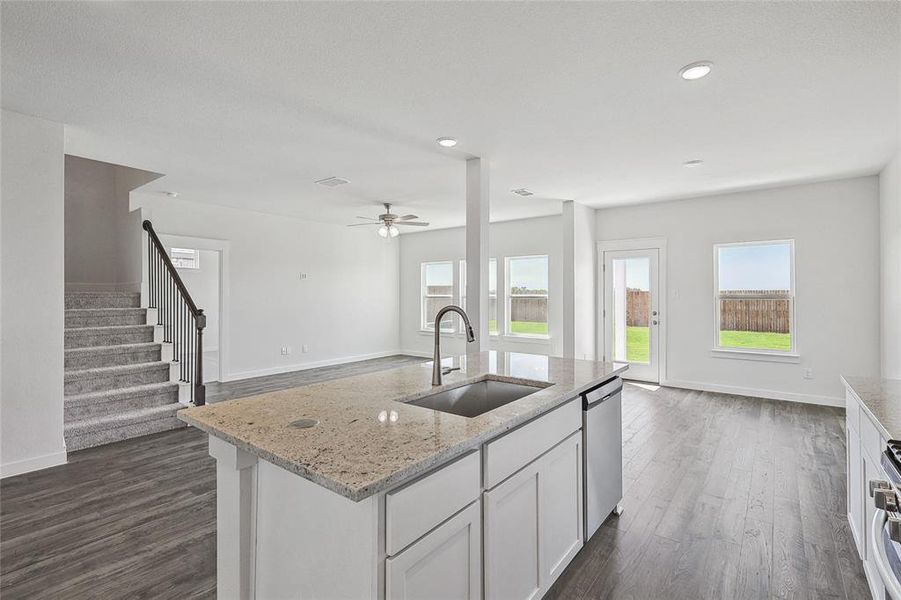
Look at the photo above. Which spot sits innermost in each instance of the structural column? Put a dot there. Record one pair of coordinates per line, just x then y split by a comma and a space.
235, 520
580, 319
477, 252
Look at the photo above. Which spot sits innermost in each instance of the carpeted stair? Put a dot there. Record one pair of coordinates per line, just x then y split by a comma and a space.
116, 386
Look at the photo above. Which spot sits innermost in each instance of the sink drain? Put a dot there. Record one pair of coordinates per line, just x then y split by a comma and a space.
304, 423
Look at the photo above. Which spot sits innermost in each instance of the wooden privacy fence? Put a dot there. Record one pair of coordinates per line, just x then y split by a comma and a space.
528, 308
740, 310
755, 310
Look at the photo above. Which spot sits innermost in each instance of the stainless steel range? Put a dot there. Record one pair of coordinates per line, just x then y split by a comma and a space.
885, 529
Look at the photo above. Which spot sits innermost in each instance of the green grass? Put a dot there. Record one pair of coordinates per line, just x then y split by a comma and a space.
638, 346
528, 328
756, 340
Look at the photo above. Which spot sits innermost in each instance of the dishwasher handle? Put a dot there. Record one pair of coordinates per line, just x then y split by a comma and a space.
602, 392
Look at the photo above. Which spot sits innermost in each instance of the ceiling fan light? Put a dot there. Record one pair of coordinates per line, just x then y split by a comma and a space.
383, 231
394, 231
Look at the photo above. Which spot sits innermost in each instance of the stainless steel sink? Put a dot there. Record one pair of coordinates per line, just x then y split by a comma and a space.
476, 398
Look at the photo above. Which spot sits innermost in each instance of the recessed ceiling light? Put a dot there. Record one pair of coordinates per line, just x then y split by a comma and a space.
695, 70
446, 142
522, 192
332, 181
171, 194
695, 162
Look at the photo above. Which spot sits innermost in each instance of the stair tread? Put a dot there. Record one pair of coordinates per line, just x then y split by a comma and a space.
115, 370
108, 327
81, 311
103, 293
116, 348
92, 424
162, 386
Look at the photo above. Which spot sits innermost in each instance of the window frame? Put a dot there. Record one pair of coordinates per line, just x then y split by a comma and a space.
196, 262
422, 296
462, 295
508, 298
789, 355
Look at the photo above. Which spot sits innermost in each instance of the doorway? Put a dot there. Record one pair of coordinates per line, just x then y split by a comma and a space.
631, 307
202, 265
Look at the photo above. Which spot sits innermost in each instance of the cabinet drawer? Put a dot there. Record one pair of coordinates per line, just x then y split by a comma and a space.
852, 411
870, 439
506, 455
414, 509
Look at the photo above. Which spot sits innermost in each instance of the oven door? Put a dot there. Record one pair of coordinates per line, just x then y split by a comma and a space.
886, 555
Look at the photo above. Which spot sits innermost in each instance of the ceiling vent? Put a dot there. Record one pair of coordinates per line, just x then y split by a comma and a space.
332, 181
522, 192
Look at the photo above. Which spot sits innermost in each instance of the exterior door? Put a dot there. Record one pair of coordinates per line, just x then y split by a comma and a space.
631, 313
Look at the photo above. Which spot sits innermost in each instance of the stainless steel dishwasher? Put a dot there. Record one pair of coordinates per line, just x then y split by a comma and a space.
602, 464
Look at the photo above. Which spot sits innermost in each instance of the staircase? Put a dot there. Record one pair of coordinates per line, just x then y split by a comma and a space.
116, 384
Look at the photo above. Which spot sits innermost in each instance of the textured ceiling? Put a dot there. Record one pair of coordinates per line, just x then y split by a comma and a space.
246, 104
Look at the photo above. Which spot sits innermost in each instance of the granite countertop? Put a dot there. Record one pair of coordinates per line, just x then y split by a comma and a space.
366, 441
881, 398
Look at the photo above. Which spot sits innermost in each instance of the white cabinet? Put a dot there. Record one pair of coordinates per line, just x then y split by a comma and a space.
857, 495
533, 524
445, 564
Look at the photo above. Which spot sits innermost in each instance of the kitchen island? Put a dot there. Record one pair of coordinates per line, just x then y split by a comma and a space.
349, 489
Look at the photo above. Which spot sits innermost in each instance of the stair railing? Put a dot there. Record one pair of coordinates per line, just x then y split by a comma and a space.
181, 320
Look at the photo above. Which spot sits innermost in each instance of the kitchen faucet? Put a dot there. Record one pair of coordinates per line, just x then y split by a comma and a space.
470, 337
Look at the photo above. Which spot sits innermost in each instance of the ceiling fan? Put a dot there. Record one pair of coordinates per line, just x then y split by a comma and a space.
388, 222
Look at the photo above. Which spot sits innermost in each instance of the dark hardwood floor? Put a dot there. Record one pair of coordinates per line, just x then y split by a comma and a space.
727, 497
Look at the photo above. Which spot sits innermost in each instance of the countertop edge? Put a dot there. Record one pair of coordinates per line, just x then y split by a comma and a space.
882, 430
407, 473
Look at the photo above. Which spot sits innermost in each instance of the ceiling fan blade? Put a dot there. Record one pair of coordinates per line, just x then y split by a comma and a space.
368, 218
407, 218
362, 224
416, 223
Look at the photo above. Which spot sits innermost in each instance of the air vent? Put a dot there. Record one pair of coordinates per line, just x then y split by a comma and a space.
522, 192
332, 181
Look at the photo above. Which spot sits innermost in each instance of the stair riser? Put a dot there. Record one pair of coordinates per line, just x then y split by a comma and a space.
112, 382
105, 320
87, 340
118, 434
93, 361
115, 407
103, 300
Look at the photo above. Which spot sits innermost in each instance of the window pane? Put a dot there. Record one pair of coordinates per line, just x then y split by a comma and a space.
492, 292
528, 277
184, 258
632, 309
438, 292
755, 296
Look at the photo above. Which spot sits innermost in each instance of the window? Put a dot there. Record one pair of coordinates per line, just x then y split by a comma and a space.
437, 292
185, 258
527, 287
492, 292
755, 296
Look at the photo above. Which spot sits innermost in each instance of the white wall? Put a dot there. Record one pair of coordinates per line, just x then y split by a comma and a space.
346, 308
835, 228
890, 250
510, 238
99, 228
31, 308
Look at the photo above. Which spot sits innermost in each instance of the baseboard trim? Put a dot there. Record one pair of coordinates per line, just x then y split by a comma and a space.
308, 365
20, 467
755, 392
418, 353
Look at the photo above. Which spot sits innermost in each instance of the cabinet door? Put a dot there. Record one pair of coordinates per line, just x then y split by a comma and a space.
857, 492
446, 564
512, 563
560, 508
